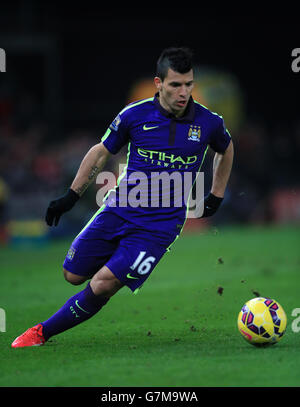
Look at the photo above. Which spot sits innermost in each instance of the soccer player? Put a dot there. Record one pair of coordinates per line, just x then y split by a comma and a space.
122, 243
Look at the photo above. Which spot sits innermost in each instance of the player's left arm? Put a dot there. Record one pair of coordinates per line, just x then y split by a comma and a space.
222, 166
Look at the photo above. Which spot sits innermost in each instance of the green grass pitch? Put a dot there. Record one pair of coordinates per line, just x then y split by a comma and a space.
179, 330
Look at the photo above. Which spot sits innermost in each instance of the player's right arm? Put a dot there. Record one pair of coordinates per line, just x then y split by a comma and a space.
113, 140
91, 165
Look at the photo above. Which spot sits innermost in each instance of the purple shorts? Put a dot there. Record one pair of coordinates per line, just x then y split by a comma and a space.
129, 251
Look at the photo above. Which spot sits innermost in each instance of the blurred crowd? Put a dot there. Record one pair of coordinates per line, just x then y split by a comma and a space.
35, 168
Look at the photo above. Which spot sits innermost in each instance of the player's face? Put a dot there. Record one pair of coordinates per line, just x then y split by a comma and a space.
175, 91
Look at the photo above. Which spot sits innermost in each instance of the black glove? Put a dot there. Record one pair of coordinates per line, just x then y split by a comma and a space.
59, 206
211, 205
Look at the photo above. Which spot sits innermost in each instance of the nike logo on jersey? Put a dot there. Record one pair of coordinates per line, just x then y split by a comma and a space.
149, 128
130, 276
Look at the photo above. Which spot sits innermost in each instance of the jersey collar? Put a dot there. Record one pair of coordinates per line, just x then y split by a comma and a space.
189, 111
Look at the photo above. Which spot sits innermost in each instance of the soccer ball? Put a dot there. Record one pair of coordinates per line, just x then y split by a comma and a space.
262, 321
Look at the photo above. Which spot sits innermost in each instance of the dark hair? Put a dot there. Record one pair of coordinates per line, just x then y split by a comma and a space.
178, 59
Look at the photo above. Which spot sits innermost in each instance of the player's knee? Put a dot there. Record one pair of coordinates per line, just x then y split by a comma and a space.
107, 288
105, 285
73, 278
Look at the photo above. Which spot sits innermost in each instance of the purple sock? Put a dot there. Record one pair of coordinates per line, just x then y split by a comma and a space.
77, 309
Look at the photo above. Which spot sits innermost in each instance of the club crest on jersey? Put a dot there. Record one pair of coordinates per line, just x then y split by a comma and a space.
115, 123
194, 133
71, 253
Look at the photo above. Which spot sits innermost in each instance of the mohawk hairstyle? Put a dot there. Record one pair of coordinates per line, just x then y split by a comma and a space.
178, 59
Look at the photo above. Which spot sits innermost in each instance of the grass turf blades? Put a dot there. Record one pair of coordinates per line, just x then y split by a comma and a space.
179, 330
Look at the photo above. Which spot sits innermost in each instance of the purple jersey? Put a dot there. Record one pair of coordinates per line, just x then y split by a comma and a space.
159, 142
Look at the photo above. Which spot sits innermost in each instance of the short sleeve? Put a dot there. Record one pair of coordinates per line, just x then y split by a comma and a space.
220, 137
117, 135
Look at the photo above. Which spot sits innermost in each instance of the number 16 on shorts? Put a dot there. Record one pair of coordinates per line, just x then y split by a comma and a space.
143, 266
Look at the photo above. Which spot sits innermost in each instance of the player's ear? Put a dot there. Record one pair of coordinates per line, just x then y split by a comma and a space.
158, 83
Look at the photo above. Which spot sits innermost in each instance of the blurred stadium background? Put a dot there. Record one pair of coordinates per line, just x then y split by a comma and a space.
70, 71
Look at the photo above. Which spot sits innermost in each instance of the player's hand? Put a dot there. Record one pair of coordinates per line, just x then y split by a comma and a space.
59, 206
211, 205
